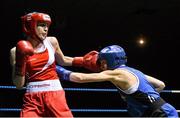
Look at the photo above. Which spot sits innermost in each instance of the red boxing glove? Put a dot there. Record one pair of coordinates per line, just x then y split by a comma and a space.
89, 61
23, 50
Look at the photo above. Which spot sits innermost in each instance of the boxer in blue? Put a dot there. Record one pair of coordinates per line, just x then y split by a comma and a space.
139, 91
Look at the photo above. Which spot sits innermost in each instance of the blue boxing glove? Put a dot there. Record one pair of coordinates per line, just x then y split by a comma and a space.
63, 73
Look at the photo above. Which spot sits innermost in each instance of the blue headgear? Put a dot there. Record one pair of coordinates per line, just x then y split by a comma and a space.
114, 55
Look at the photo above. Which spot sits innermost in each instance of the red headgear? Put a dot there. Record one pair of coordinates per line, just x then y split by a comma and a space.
29, 21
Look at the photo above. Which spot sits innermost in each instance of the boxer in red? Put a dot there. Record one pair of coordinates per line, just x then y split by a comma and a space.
33, 64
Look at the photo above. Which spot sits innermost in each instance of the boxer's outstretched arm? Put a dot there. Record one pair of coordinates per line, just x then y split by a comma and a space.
89, 77
87, 61
77, 77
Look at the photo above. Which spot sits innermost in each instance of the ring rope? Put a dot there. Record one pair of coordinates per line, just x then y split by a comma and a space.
91, 89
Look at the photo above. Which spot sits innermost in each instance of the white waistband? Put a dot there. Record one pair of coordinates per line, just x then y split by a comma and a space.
47, 85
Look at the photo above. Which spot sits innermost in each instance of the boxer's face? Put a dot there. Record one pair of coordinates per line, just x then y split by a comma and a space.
103, 65
42, 30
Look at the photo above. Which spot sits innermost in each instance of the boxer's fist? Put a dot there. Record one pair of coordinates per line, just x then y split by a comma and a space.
89, 61
23, 50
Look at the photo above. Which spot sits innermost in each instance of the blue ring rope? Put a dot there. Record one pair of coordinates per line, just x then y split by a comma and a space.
90, 89
75, 110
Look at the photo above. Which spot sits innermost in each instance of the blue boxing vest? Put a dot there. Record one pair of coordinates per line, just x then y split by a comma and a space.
143, 97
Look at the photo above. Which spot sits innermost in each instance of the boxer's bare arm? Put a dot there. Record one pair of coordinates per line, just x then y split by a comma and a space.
158, 84
18, 81
92, 77
60, 57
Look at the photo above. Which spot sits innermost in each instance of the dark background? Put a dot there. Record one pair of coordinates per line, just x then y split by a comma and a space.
85, 25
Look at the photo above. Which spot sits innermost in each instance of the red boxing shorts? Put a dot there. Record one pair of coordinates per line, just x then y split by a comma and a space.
45, 99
